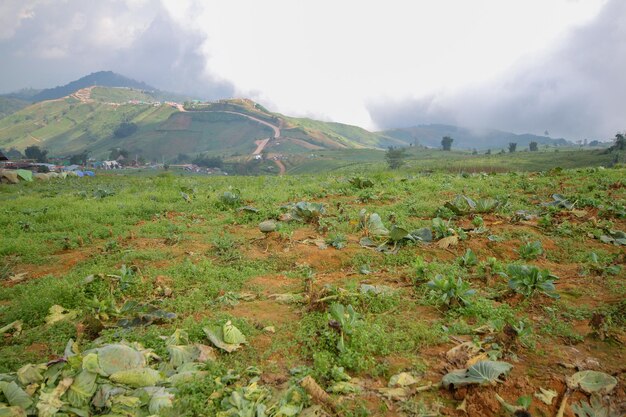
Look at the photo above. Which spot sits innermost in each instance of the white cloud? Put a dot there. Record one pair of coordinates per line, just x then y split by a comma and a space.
574, 89
326, 59
329, 58
12, 13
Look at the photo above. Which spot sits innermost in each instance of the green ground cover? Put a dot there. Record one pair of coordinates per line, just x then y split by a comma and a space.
337, 295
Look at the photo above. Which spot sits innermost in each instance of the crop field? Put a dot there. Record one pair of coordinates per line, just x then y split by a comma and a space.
383, 294
420, 159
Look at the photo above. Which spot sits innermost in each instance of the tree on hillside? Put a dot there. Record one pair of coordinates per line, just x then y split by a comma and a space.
488, 152
36, 153
533, 146
79, 159
208, 162
395, 157
125, 129
620, 142
13, 154
512, 147
182, 158
446, 143
117, 152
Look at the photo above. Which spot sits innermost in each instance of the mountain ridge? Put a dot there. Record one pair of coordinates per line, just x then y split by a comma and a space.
430, 135
85, 118
99, 78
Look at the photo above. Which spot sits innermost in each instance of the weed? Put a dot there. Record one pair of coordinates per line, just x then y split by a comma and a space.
337, 240
450, 291
527, 280
469, 259
531, 250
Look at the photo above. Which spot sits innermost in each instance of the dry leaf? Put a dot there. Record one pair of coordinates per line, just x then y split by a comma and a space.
446, 242
480, 357
316, 392
460, 354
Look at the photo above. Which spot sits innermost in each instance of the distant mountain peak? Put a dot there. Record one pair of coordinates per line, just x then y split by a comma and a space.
100, 78
466, 138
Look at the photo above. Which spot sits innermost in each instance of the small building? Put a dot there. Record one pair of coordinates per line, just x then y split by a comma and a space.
3, 157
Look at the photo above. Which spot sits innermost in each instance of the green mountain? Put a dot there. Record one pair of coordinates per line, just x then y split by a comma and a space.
464, 138
100, 78
106, 110
91, 119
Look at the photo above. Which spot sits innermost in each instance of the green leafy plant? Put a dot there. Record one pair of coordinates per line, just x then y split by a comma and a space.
372, 224
230, 198
361, 183
559, 201
462, 204
531, 250
527, 280
483, 372
468, 259
346, 320
478, 222
306, 212
442, 228
103, 193
615, 237
594, 408
450, 291
227, 337
337, 241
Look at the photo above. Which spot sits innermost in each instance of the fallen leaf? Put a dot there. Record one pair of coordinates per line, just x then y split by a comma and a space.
446, 242
475, 359
397, 393
58, 313
403, 379
18, 277
546, 395
460, 354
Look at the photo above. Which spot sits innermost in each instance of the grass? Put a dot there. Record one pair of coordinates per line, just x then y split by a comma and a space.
191, 257
419, 159
68, 126
119, 95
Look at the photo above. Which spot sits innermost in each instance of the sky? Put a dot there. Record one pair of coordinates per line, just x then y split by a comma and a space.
522, 66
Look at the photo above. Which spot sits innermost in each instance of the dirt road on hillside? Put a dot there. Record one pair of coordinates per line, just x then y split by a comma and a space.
280, 166
261, 143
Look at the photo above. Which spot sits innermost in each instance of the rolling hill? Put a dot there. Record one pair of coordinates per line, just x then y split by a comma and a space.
430, 136
84, 115
88, 119
9, 105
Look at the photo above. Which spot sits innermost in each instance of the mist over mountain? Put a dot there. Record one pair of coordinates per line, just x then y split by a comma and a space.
24, 125
464, 138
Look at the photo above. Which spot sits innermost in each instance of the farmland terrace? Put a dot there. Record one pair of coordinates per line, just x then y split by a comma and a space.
386, 294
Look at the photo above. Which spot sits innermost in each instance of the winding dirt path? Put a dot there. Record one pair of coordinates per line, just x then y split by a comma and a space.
263, 122
261, 143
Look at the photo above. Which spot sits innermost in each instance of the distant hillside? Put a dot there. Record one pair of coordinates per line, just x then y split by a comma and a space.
25, 94
101, 78
88, 119
10, 105
430, 135
302, 134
